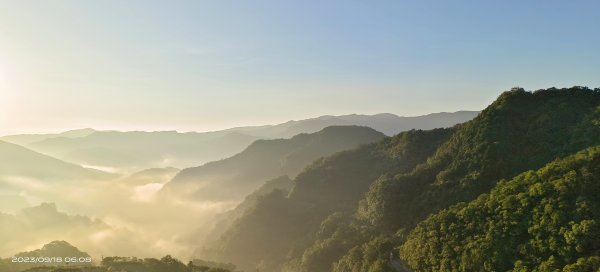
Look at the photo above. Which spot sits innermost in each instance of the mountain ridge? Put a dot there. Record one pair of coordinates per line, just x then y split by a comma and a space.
132, 151
19, 161
520, 131
264, 160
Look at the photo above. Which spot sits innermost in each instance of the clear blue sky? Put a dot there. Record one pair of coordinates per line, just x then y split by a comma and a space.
201, 65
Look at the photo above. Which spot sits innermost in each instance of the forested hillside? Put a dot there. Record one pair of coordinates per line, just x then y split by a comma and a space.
518, 132
278, 224
350, 211
544, 220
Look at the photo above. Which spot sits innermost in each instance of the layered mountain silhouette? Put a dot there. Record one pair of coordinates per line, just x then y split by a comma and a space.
389, 124
26, 139
235, 177
276, 223
351, 211
513, 189
136, 150
17, 162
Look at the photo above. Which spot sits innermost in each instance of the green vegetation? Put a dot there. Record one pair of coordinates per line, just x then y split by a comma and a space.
352, 210
225, 220
278, 229
518, 132
544, 220
515, 189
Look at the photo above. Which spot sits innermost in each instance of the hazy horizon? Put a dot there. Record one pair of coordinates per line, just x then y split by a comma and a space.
247, 135
185, 130
210, 65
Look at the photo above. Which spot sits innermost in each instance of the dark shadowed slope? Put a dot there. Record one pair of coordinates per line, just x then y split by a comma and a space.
318, 228
235, 177
278, 227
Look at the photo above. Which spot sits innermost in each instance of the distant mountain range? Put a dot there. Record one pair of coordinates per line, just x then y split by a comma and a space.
19, 162
235, 177
137, 150
26, 139
387, 123
116, 151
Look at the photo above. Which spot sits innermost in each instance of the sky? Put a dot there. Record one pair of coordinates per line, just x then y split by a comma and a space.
207, 65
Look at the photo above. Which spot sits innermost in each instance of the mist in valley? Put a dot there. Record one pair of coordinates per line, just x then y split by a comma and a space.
145, 205
299, 136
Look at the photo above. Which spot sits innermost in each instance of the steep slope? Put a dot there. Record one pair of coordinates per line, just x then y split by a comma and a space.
223, 221
518, 132
235, 177
17, 162
544, 220
282, 183
278, 228
137, 150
